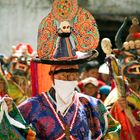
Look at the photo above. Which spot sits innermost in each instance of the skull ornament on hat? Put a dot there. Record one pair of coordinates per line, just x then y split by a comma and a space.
67, 30
65, 27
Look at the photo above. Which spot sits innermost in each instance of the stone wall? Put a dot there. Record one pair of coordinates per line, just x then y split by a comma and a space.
118, 7
19, 19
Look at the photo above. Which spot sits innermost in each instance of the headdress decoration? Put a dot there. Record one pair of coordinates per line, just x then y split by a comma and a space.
134, 30
64, 9
24, 46
71, 43
67, 36
130, 49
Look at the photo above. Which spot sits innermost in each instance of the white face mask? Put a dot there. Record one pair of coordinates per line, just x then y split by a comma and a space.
64, 93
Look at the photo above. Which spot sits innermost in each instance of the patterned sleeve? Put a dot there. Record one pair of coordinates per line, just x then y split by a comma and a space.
110, 127
29, 131
26, 109
102, 114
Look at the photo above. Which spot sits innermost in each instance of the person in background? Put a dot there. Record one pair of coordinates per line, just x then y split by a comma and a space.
90, 70
104, 92
127, 107
104, 73
90, 86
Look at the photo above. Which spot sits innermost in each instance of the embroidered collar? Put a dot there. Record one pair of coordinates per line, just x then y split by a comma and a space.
51, 98
63, 126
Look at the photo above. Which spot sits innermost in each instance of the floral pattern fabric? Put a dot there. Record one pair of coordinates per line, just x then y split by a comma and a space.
37, 111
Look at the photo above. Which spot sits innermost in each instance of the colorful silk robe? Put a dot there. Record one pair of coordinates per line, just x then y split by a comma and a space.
86, 114
128, 132
14, 128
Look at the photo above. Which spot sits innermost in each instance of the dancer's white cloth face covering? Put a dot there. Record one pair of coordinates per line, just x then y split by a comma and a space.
64, 94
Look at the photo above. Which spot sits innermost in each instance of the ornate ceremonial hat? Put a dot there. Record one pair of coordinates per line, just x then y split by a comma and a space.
68, 35
128, 52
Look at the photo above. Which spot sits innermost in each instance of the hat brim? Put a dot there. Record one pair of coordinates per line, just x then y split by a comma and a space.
87, 57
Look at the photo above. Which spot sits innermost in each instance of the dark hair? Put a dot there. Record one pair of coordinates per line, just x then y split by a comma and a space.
92, 65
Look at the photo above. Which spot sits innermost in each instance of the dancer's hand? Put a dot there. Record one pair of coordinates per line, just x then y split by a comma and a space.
9, 102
